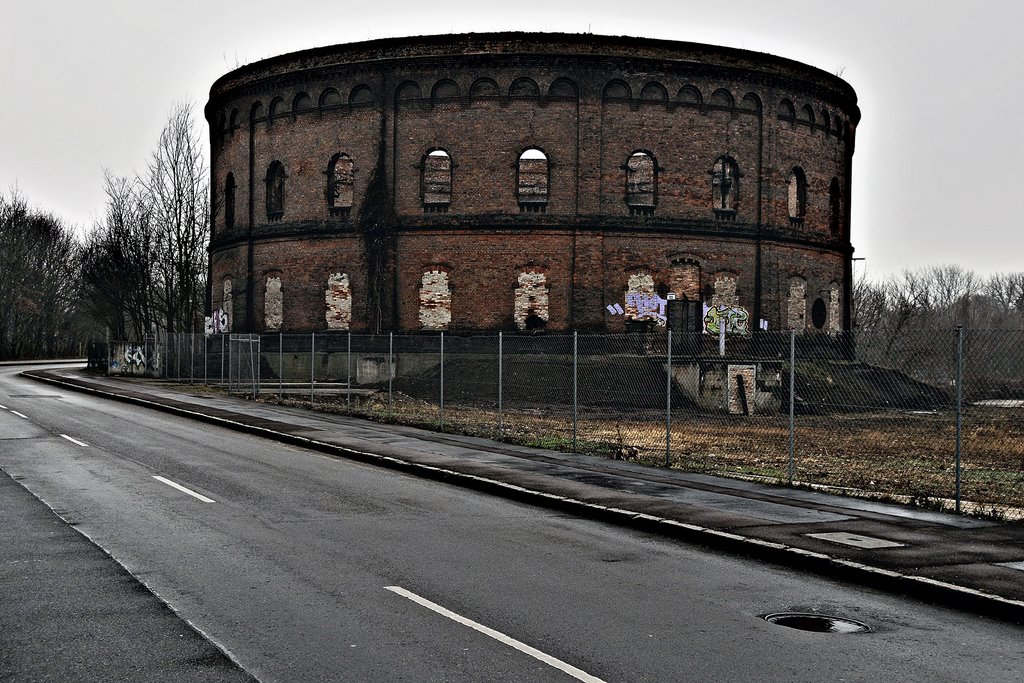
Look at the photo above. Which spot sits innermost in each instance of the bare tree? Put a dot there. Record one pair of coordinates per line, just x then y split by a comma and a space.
119, 261
178, 186
38, 282
145, 263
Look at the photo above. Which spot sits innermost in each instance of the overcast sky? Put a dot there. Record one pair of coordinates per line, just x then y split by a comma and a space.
937, 172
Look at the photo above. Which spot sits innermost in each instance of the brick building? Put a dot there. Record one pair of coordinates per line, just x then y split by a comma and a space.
516, 181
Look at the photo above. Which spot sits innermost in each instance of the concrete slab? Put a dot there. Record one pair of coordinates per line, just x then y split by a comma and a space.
856, 540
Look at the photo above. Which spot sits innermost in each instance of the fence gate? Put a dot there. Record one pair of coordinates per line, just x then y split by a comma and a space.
244, 363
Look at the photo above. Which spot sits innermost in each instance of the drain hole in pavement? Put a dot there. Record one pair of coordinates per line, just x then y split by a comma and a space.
818, 623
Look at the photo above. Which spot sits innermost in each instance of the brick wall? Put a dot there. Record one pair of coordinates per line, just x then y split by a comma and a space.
682, 114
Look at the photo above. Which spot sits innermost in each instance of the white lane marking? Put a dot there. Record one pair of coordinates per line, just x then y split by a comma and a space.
75, 441
3, 407
497, 635
183, 489
15, 412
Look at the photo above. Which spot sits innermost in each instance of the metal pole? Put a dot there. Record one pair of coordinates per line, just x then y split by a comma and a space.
442, 381
222, 361
959, 404
348, 375
391, 361
501, 422
721, 337
280, 365
107, 370
668, 404
792, 404
256, 360
192, 358
312, 366
206, 360
575, 408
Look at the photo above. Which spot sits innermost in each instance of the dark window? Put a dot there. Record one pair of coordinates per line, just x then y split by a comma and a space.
835, 208
532, 181
819, 313
275, 191
797, 196
725, 188
436, 181
229, 201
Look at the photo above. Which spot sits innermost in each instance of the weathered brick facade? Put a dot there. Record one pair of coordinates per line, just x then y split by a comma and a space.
469, 182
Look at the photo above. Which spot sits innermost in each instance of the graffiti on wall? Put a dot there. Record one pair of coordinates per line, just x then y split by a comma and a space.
130, 359
647, 307
735, 319
644, 306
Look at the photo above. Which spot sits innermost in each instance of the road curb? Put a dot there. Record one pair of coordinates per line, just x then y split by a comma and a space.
822, 564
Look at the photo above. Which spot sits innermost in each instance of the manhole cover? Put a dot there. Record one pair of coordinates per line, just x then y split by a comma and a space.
819, 623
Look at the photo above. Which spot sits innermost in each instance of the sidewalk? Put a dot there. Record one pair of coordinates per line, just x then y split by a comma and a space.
962, 562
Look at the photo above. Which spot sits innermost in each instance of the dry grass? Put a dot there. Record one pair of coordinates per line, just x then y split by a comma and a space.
908, 457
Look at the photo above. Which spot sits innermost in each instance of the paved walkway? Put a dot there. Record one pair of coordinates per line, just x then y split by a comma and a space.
959, 561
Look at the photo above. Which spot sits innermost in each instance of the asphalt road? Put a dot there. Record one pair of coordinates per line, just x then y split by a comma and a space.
310, 568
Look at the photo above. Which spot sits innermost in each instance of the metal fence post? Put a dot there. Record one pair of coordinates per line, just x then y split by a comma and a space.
391, 372
280, 366
668, 404
575, 408
959, 405
222, 361
792, 404
348, 373
256, 360
501, 423
312, 366
442, 383
192, 358
206, 360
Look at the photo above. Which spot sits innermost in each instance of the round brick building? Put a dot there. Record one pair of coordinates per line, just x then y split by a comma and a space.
518, 181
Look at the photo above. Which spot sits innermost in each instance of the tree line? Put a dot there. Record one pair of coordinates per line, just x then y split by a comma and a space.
138, 269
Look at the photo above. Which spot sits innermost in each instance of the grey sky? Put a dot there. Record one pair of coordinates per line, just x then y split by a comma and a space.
937, 169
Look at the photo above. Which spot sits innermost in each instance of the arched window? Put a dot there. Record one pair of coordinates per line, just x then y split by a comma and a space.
524, 87
835, 208
302, 102
436, 181
725, 188
361, 95
229, 201
484, 87
532, 181
797, 194
275, 191
563, 88
641, 184
339, 185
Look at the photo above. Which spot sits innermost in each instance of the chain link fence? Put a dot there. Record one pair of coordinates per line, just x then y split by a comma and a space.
929, 417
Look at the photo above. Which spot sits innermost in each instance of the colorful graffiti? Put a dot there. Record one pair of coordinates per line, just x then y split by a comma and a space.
735, 319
